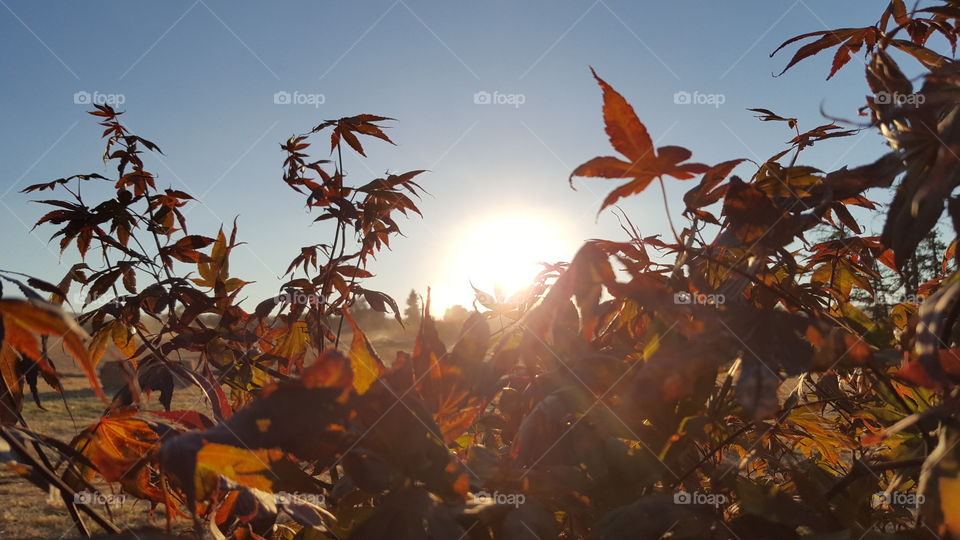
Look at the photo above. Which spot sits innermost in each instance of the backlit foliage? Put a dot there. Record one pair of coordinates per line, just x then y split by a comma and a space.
729, 363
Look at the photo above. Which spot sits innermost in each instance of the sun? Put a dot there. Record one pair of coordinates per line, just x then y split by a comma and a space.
501, 251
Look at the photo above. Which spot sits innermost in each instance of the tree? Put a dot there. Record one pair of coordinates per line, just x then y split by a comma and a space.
412, 312
927, 263
456, 314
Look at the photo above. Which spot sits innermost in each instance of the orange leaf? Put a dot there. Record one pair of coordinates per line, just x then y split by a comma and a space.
116, 443
627, 133
331, 370
629, 136
26, 316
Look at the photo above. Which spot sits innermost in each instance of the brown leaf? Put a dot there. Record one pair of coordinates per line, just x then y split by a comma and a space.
705, 194
852, 40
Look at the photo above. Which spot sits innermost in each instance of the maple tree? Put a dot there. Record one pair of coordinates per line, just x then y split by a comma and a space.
734, 364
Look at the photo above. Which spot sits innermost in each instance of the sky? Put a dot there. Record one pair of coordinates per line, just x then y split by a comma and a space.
201, 79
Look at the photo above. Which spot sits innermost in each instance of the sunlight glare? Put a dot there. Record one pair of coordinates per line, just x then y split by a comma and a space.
502, 252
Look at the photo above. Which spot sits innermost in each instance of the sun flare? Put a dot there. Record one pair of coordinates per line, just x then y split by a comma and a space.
502, 252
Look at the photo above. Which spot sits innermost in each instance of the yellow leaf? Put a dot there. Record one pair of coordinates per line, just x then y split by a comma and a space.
123, 339
294, 341
98, 345
217, 268
249, 468
218, 353
818, 435
950, 503
364, 362
233, 284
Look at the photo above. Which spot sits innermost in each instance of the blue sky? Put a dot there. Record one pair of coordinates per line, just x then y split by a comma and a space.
199, 78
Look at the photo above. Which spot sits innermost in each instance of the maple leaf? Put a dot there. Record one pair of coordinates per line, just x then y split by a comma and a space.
766, 115
59, 182
851, 40
348, 127
629, 136
116, 443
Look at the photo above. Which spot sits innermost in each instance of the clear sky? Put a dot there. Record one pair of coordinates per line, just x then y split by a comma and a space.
198, 77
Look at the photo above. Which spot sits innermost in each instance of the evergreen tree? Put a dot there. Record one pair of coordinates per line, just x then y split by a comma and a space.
412, 312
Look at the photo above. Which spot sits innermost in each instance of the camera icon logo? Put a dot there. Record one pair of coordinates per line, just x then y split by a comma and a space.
482, 497
682, 497
683, 98
482, 98
82, 98
883, 98
282, 98
682, 298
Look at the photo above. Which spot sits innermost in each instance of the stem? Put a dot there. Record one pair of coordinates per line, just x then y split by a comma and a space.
340, 230
682, 258
666, 208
